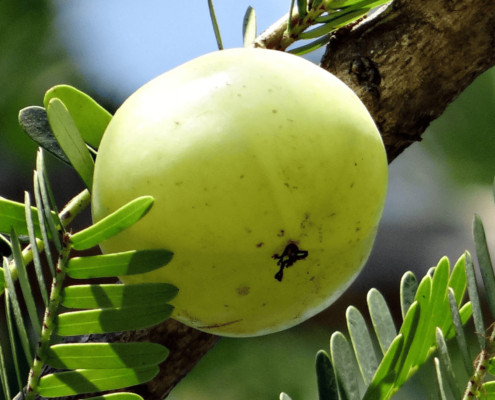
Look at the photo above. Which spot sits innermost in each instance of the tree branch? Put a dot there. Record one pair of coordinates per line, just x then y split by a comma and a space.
406, 65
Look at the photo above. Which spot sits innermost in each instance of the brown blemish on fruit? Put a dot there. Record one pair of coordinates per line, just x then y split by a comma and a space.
243, 290
289, 257
219, 325
260, 244
281, 234
274, 111
352, 185
358, 229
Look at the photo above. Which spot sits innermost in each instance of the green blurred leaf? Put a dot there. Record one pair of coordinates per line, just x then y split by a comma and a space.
361, 342
70, 140
308, 48
289, 21
438, 371
90, 118
111, 320
343, 364
485, 262
105, 355
118, 264
93, 380
465, 312
12, 300
488, 388
472, 287
342, 19
284, 396
459, 333
34, 122
34, 249
214, 21
113, 224
302, 8
13, 347
382, 319
249, 27
117, 295
27, 292
408, 288
447, 364
325, 377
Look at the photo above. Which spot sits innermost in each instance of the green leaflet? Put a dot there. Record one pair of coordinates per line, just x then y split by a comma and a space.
90, 118
381, 317
325, 376
94, 380
361, 342
118, 264
343, 363
459, 333
472, 287
447, 364
438, 372
116, 222
70, 140
302, 8
312, 46
2, 281
117, 396
117, 295
342, 19
12, 214
105, 355
249, 27
111, 320
34, 122
408, 288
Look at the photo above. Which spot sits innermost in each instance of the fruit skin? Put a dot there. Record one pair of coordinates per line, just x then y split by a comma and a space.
246, 151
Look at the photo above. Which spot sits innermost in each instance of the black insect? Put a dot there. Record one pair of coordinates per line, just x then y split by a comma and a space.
290, 255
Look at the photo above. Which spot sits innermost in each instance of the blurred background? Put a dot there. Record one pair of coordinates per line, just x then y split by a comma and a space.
110, 48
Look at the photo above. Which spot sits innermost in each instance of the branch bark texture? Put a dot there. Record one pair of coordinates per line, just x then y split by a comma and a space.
406, 65
412, 61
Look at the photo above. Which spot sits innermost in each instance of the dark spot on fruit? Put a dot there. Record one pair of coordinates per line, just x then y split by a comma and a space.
264, 304
177, 123
243, 290
242, 176
274, 111
291, 254
219, 325
306, 216
352, 184
355, 164
282, 233
332, 214
260, 244
358, 229
312, 278
179, 183
239, 95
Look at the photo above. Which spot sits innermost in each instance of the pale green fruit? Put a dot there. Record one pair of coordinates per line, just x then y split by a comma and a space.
248, 153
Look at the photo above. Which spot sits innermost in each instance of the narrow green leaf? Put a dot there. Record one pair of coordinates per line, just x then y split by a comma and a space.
408, 288
13, 347
41, 220
117, 396
438, 372
289, 21
447, 364
485, 262
465, 313
34, 249
302, 8
12, 214
488, 388
5, 247
459, 333
21, 328
310, 47
351, 5
409, 330
105, 355
343, 364
382, 319
25, 285
111, 320
249, 27
214, 21
90, 118
386, 369
325, 377
94, 380
49, 207
117, 295
3, 374
115, 223
337, 22
70, 140
34, 122
384, 390
361, 342
472, 287
118, 264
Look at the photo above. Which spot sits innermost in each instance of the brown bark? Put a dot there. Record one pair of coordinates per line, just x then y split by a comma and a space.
412, 61
406, 65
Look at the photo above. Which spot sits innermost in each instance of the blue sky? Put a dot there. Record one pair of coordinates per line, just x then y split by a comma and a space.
119, 45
